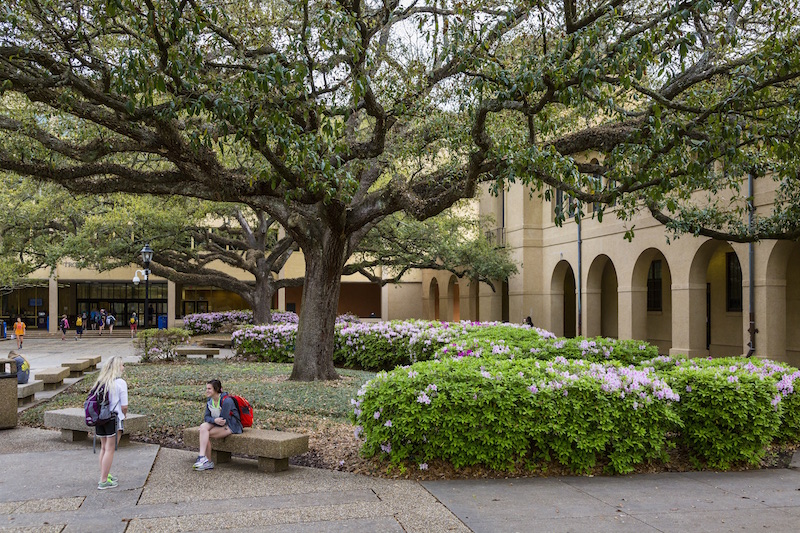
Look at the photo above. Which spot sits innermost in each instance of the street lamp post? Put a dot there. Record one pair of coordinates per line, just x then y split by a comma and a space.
147, 256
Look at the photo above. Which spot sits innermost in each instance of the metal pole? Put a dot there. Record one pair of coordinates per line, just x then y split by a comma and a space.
580, 273
146, 294
751, 260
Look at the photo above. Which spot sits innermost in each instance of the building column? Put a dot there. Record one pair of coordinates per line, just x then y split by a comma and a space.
172, 298
592, 312
689, 320
631, 313
770, 311
385, 302
52, 304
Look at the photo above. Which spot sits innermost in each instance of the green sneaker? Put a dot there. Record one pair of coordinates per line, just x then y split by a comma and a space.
103, 485
113, 479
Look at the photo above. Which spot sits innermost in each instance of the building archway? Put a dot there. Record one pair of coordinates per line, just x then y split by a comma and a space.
651, 306
454, 299
779, 314
715, 303
563, 302
433, 296
602, 303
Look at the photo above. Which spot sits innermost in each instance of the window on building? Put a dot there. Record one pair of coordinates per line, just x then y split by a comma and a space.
733, 283
654, 286
559, 200
571, 208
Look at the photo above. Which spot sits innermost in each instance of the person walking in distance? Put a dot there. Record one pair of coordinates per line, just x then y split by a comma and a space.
134, 324
110, 321
19, 331
64, 324
102, 321
116, 389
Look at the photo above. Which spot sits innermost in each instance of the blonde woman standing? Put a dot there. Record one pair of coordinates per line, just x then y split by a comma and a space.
116, 389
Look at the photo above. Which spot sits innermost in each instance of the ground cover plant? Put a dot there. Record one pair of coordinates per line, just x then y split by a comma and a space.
172, 395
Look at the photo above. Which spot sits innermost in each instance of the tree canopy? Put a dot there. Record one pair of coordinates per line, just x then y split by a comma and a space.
197, 241
333, 115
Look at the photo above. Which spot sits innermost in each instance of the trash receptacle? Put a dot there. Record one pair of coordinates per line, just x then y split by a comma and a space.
162, 321
4, 330
41, 320
8, 393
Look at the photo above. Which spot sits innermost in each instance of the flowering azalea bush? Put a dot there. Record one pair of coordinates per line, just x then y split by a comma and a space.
200, 323
155, 344
493, 343
272, 343
470, 406
497, 412
385, 345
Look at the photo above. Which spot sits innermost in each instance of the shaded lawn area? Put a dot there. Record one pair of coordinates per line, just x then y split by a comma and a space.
173, 395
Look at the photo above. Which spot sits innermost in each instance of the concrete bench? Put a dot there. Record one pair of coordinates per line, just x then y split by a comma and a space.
52, 378
217, 342
197, 350
72, 423
93, 360
273, 448
27, 391
77, 367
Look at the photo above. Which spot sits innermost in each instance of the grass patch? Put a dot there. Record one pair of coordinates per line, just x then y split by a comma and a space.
173, 395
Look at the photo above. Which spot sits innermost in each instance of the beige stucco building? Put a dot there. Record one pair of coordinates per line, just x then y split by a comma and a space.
691, 295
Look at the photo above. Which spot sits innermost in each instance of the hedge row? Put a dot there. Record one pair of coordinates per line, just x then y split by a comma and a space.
499, 411
385, 345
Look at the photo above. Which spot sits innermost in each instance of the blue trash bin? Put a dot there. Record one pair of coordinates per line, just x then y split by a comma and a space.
4, 330
162, 321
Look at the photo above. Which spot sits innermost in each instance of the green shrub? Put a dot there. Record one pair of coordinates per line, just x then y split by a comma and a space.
497, 412
272, 343
154, 344
512, 344
729, 414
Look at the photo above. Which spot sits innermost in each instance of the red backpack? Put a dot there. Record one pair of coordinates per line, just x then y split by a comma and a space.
244, 408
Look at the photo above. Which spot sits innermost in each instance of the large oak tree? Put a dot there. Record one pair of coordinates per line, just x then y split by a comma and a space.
332, 115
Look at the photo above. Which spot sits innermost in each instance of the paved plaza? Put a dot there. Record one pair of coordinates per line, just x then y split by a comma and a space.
49, 485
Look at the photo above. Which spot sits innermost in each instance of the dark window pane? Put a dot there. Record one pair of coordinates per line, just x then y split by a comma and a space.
733, 283
654, 286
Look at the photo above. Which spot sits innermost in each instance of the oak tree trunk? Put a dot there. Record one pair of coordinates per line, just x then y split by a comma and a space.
313, 353
261, 300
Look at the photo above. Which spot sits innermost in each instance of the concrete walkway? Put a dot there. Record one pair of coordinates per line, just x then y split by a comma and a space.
48, 485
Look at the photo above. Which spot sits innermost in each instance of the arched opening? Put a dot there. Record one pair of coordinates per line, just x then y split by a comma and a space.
602, 303
434, 297
570, 322
651, 306
454, 296
563, 308
713, 323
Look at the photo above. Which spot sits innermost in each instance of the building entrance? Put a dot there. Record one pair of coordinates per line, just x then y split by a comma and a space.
122, 299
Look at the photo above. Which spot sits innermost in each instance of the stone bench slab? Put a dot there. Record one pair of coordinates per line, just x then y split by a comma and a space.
77, 367
196, 350
93, 360
26, 391
72, 423
52, 377
273, 448
218, 342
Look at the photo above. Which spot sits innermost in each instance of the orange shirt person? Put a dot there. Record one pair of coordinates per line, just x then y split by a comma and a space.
19, 331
